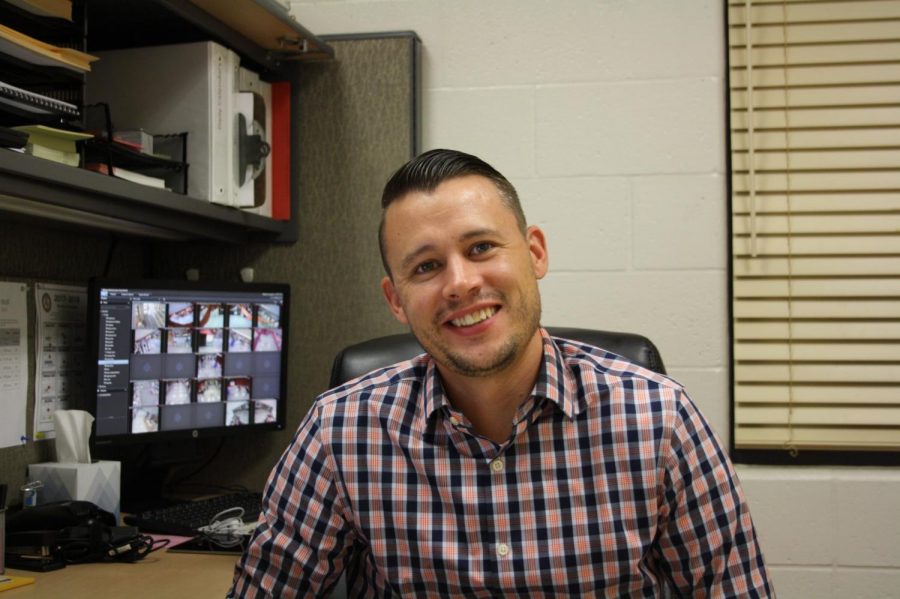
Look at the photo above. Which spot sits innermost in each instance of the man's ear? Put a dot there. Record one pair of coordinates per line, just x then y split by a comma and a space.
393, 299
537, 247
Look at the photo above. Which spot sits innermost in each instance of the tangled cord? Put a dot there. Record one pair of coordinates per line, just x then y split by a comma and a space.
136, 549
227, 531
83, 550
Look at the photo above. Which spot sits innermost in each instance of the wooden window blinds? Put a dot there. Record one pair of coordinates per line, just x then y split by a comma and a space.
815, 201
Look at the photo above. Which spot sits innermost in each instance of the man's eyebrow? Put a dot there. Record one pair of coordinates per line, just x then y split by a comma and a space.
478, 233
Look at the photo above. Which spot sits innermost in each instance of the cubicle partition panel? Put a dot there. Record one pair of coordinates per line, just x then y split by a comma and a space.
36, 253
358, 121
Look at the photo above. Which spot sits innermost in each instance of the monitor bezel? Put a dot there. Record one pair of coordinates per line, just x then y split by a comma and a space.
89, 397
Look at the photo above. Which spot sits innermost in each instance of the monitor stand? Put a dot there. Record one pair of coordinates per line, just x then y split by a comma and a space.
147, 471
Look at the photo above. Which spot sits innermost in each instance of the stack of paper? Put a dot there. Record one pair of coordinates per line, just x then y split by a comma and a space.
136, 139
128, 175
53, 144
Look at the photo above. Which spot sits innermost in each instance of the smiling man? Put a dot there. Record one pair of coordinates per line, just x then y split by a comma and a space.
463, 276
503, 461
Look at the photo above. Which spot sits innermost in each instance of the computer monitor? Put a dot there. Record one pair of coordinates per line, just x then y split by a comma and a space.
185, 359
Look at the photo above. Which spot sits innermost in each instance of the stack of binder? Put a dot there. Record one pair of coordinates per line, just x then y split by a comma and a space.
27, 103
41, 82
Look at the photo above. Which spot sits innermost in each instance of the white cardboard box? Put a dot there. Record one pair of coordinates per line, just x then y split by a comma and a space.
97, 482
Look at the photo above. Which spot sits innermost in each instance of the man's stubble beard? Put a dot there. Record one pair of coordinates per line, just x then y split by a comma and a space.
528, 313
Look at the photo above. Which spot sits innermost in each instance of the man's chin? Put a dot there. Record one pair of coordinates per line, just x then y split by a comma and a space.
475, 356
479, 363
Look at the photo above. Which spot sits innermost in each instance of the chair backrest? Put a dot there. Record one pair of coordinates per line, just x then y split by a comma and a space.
356, 360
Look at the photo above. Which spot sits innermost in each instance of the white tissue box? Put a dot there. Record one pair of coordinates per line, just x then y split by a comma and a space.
97, 482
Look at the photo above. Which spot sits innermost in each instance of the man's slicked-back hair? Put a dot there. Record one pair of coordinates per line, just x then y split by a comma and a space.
428, 170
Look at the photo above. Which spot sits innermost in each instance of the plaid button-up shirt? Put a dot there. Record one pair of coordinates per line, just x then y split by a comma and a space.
611, 484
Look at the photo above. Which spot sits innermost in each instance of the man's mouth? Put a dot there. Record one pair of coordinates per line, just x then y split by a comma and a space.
474, 318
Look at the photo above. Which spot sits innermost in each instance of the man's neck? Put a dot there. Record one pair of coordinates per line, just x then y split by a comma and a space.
490, 402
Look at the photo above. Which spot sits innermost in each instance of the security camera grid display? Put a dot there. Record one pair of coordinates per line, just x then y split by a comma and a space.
176, 359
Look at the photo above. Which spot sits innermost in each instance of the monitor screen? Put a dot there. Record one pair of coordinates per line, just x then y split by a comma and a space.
186, 359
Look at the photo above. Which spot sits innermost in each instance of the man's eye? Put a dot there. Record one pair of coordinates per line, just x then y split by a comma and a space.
425, 267
480, 248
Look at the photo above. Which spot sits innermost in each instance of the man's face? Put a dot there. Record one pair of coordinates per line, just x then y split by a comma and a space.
464, 277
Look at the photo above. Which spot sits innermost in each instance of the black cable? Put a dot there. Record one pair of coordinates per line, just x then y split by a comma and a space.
109, 254
134, 549
96, 548
171, 484
149, 259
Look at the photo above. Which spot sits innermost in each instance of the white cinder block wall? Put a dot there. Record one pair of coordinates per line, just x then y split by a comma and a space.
609, 117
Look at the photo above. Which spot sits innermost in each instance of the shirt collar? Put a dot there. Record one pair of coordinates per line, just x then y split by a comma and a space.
556, 382
433, 391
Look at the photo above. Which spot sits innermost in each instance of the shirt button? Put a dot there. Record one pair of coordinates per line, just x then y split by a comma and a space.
454, 421
497, 465
502, 549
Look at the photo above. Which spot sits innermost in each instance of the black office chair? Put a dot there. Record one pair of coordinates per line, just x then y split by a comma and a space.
356, 360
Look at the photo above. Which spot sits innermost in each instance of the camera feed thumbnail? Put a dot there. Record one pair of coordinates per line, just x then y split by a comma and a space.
237, 413
194, 363
211, 315
179, 341
181, 314
147, 341
237, 389
240, 315
265, 410
267, 340
145, 420
178, 392
268, 316
209, 390
209, 366
148, 315
145, 393
210, 340
240, 340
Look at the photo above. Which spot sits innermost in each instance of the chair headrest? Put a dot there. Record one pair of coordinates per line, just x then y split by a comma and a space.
358, 359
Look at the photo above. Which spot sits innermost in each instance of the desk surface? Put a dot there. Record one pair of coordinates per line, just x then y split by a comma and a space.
160, 574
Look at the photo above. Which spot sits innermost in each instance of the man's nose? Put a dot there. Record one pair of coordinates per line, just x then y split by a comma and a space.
462, 278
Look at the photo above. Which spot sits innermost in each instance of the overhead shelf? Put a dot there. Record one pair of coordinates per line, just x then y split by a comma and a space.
267, 39
269, 25
56, 192
258, 30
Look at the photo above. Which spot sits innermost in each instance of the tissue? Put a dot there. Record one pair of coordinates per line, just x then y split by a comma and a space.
73, 475
97, 482
73, 434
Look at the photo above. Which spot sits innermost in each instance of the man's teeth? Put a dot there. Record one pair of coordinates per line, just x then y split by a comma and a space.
474, 318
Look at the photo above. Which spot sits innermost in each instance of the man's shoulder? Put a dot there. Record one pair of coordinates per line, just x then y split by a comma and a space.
606, 367
396, 382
